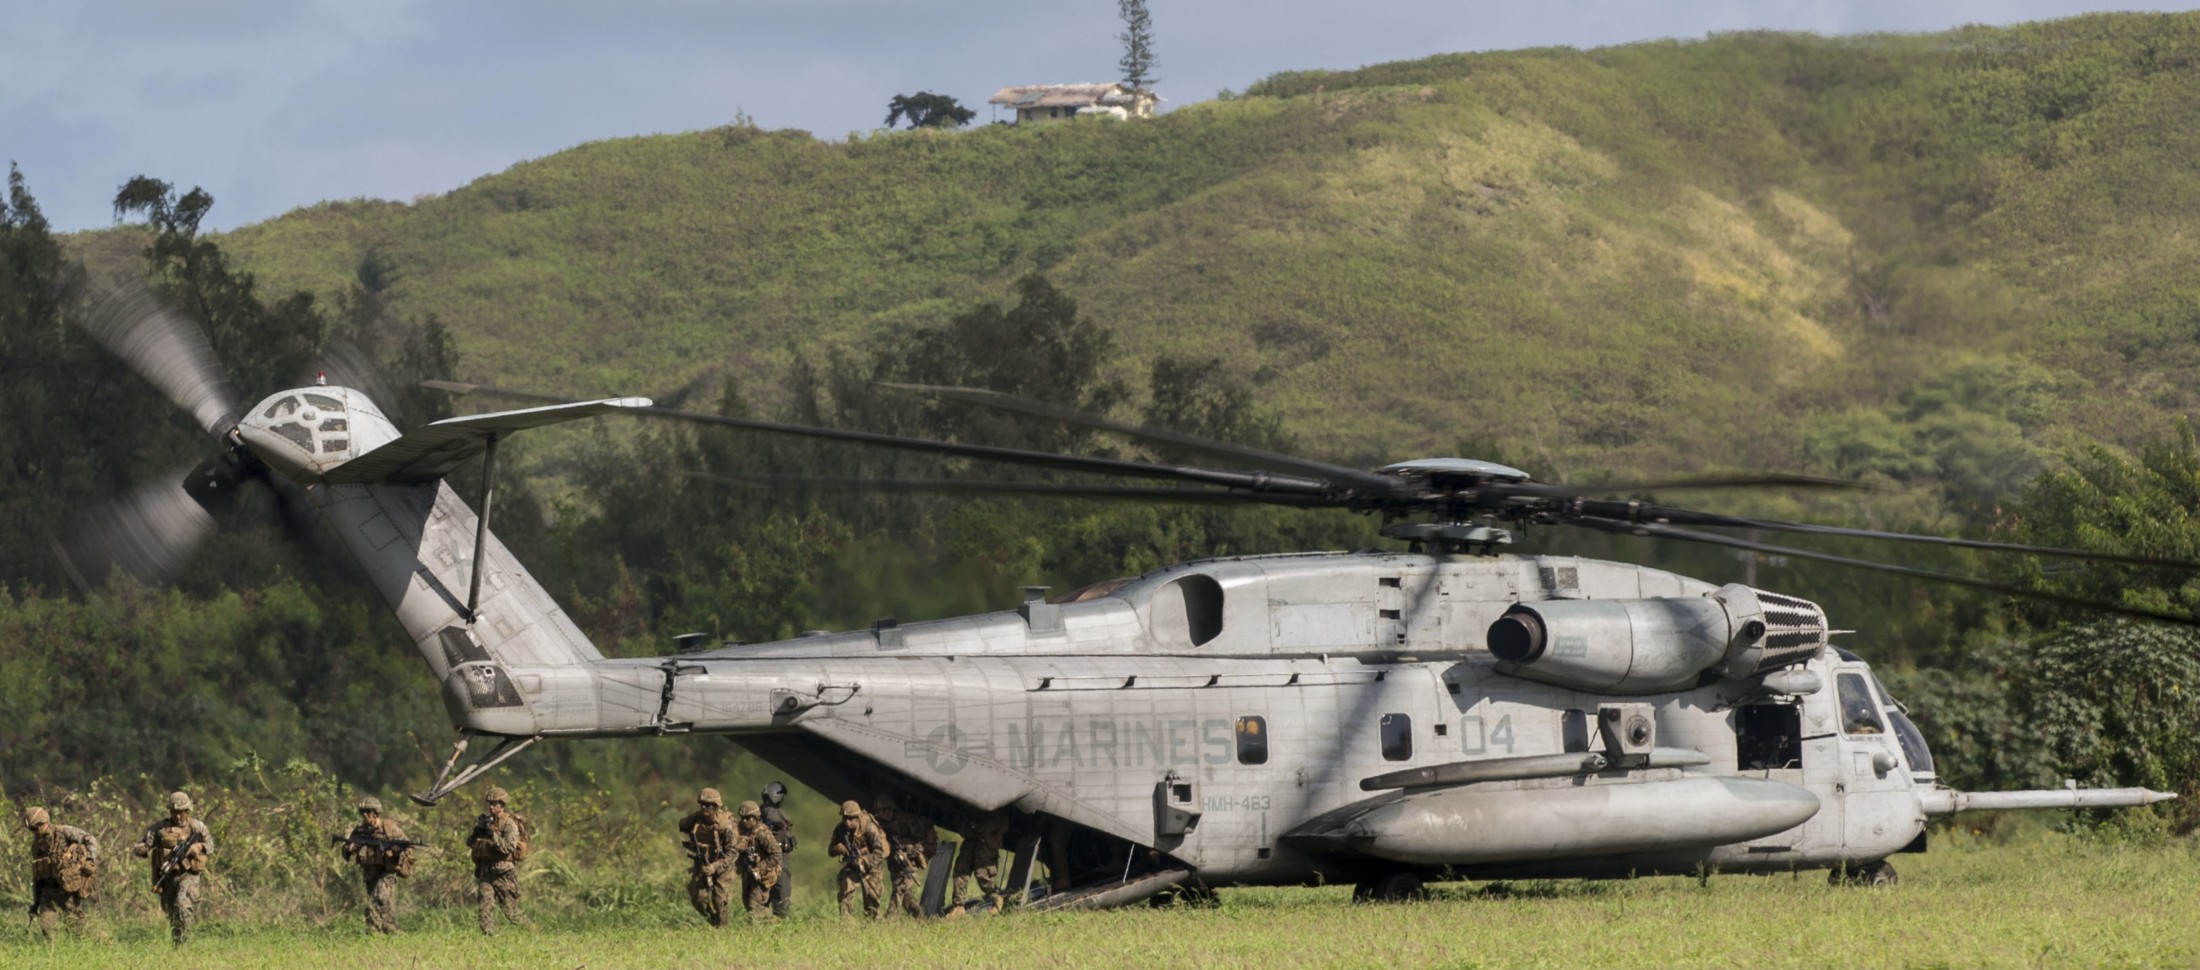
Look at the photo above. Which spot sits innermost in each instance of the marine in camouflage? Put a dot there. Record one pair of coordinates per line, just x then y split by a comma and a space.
980, 858
64, 871
914, 842
379, 867
497, 843
709, 838
860, 845
760, 861
187, 840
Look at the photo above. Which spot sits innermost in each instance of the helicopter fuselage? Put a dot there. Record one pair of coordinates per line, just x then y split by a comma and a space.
1268, 719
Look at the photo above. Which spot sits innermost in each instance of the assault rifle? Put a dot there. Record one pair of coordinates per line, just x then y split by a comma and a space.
745, 853
485, 828
173, 861
386, 845
848, 849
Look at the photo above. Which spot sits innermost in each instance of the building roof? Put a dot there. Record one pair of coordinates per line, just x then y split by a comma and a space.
1066, 95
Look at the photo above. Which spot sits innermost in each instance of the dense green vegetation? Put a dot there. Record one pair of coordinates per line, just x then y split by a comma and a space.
1942, 265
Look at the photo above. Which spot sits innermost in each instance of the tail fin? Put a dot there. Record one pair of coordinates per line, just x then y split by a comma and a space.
417, 539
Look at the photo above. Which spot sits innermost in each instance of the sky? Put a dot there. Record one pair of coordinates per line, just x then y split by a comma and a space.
275, 104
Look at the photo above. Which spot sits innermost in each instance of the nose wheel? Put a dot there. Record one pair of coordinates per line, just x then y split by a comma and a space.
1876, 874
1396, 886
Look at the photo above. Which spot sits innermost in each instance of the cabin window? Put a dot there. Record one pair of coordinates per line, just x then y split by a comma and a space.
1768, 736
1573, 728
1202, 607
1859, 712
1397, 737
1252, 740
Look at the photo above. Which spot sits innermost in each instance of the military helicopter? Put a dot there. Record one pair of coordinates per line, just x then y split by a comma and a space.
1379, 718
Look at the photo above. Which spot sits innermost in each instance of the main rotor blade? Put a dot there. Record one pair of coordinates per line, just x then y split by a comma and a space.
169, 351
1272, 459
148, 533
1659, 531
1780, 480
1259, 482
1658, 513
1192, 495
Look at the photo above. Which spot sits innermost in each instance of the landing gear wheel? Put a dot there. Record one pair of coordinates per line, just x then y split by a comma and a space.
1876, 874
1398, 887
1195, 895
1363, 891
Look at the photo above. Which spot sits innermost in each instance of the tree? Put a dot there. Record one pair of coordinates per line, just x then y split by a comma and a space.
2103, 500
1202, 397
1041, 349
265, 345
1137, 37
927, 110
2109, 701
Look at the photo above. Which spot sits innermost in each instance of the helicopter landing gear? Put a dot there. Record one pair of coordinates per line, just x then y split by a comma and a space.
1195, 895
1397, 886
1877, 874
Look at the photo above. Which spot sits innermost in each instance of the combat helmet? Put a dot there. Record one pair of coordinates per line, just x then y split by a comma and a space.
179, 802
710, 796
775, 793
496, 796
849, 809
749, 810
371, 804
34, 817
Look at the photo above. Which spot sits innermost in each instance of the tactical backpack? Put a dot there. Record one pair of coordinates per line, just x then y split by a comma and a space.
526, 835
71, 866
79, 874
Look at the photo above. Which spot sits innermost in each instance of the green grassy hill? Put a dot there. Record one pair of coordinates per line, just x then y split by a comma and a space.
1840, 253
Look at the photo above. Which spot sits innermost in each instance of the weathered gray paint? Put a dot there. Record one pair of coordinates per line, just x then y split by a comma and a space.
1081, 709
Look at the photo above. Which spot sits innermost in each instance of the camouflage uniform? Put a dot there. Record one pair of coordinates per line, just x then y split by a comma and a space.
775, 794
179, 891
64, 870
914, 842
379, 867
980, 857
708, 837
760, 861
497, 844
861, 847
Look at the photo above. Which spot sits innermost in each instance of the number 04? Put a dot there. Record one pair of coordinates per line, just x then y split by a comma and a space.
1473, 740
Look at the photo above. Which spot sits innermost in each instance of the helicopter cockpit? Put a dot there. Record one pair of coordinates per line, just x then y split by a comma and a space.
1866, 709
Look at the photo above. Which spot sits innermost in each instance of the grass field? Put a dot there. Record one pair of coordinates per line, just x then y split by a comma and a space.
2052, 901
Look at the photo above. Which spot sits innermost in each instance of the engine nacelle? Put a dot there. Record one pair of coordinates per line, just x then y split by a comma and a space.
1641, 646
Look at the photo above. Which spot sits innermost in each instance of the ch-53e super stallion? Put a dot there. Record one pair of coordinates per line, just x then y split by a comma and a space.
1376, 718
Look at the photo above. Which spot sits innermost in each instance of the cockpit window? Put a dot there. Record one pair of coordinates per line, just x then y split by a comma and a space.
1859, 711
1914, 750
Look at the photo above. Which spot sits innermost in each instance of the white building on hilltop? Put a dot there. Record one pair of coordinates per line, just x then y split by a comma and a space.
1046, 102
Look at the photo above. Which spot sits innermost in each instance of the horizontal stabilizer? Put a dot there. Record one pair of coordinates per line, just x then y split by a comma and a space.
428, 453
1947, 801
